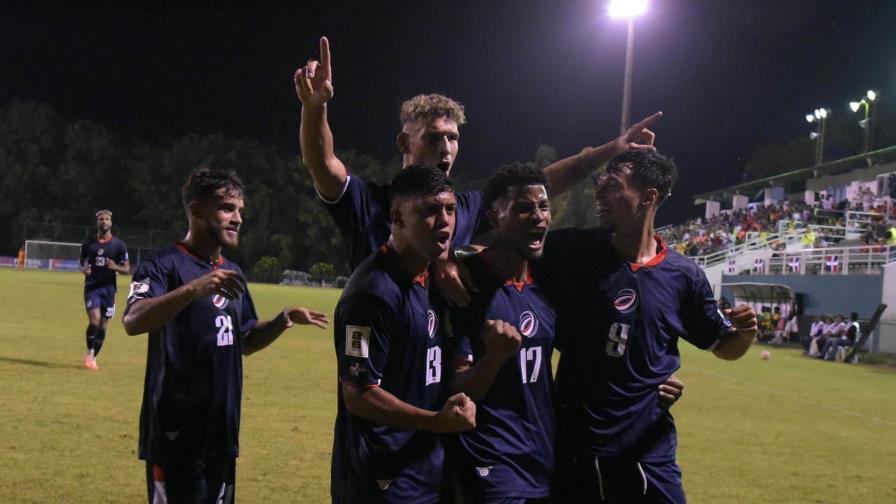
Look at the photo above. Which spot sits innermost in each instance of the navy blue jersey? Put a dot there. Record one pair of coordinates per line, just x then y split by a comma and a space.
387, 335
617, 332
362, 215
511, 451
95, 253
194, 366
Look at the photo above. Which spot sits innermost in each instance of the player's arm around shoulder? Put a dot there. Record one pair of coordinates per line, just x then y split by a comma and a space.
264, 333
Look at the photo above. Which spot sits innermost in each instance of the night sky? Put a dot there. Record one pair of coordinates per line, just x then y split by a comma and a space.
729, 75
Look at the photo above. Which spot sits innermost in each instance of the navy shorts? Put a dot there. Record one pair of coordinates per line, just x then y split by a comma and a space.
102, 299
180, 474
614, 480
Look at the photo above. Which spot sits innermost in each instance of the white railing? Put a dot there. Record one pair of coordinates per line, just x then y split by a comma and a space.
756, 242
856, 260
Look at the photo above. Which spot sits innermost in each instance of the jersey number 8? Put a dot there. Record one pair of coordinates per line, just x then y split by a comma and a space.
617, 339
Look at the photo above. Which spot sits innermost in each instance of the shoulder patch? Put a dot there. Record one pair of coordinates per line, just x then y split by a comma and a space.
357, 341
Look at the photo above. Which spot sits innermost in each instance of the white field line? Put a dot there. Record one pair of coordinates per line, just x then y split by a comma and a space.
792, 397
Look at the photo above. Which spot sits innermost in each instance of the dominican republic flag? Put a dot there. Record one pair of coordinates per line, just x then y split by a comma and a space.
794, 264
759, 265
833, 263
732, 266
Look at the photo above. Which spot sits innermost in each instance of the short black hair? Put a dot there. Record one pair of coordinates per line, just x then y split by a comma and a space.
511, 175
204, 182
418, 180
649, 169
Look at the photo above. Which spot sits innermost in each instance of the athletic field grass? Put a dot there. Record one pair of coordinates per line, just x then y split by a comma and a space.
786, 430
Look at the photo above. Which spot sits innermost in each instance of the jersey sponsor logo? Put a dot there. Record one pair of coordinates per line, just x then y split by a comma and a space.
431, 323
138, 288
357, 341
625, 301
528, 324
220, 302
384, 484
483, 471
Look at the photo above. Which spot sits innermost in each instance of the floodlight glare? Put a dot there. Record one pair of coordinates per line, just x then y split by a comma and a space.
813, 135
810, 118
824, 113
871, 95
854, 106
627, 8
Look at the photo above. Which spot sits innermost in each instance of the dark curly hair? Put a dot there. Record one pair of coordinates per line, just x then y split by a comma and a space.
511, 175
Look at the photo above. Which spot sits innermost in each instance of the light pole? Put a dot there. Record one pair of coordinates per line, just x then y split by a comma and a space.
820, 116
868, 122
627, 9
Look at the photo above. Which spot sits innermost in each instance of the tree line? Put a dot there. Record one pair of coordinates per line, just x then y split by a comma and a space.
60, 171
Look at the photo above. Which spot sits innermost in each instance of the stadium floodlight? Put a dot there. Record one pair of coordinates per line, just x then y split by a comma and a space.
627, 9
867, 122
820, 116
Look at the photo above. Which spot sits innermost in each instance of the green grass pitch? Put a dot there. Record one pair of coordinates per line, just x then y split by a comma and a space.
786, 430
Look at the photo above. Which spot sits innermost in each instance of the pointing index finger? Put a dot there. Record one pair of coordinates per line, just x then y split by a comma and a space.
325, 53
648, 121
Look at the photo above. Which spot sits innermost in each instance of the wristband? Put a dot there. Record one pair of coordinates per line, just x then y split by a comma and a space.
289, 322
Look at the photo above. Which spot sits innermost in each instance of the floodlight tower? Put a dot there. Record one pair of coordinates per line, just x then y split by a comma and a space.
627, 9
868, 122
820, 116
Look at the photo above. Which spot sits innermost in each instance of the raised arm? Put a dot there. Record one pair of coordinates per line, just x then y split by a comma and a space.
314, 86
565, 173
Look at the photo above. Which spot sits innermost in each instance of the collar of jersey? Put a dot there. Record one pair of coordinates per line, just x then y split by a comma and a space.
107, 240
390, 254
217, 264
507, 281
657, 259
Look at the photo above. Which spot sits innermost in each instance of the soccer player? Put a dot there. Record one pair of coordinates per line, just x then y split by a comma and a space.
505, 344
388, 341
504, 347
429, 135
624, 300
195, 306
102, 257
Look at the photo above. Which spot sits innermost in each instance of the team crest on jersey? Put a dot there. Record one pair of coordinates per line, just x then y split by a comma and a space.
220, 302
99, 252
483, 471
431, 323
138, 288
528, 324
625, 301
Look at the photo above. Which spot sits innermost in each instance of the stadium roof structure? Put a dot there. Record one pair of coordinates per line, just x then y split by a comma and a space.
829, 168
761, 292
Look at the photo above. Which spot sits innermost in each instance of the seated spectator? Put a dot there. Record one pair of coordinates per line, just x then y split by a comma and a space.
834, 330
846, 339
815, 329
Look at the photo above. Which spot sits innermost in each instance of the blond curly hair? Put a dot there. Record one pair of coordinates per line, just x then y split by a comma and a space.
432, 106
